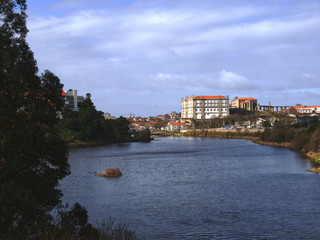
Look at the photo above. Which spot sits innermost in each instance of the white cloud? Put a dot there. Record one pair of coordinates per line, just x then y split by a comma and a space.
233, 81
179, 47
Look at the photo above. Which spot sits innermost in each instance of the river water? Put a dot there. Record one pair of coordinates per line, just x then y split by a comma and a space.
198, 188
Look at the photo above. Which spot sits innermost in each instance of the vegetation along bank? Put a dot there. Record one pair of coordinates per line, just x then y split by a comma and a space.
299, 138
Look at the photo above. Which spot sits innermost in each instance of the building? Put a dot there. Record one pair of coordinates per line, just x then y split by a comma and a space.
71, 99
306, 109
248, 104
204, 107
106, 115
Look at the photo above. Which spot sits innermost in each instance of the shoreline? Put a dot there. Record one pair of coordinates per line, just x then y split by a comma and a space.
79, 144
252, 135
73, 145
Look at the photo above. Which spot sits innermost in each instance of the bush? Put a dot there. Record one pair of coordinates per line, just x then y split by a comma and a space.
143, 136
109, 230
110, 172
313, 143
299, 141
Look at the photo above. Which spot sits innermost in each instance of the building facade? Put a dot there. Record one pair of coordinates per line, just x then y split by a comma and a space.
249, 104
307, 109
71, 99
204, 107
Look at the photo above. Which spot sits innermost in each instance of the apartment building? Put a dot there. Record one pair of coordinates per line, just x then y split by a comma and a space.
71, 99
246, 103
204, 107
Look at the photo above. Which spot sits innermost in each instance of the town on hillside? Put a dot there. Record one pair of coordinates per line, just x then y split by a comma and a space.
212, 112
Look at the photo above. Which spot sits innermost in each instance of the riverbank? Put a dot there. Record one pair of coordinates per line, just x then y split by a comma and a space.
252, 135
79, 144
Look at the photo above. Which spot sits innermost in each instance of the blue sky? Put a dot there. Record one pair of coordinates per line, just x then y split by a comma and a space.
142, 57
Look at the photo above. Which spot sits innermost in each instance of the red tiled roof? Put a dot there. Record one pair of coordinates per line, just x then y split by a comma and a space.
246, 98
306, 106
178, 124
142, 124
207, 97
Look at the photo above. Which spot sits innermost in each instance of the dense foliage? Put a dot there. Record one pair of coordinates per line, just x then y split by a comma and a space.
89, 125
33, 157
302, 138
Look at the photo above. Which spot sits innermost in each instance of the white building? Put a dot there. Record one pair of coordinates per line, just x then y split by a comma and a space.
204, 107
71, 99
307, 109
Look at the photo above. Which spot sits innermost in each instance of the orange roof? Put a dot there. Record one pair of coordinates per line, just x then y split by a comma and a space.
178, 124
207, 97
142, 124
306, 106
246, 98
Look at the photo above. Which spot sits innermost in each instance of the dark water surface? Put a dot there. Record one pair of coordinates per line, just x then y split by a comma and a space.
199, 188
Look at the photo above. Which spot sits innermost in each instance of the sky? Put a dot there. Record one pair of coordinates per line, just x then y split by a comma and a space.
140, 57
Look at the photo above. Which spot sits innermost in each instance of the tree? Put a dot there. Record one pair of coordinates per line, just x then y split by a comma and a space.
33, 158
266, 123
121, 129
90, 121
161, 124
89, 125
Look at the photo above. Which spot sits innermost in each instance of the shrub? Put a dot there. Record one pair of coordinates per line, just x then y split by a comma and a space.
313, 143
110, 172
108, 229
143, 136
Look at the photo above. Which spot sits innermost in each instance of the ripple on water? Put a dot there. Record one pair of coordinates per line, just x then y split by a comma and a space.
199, 188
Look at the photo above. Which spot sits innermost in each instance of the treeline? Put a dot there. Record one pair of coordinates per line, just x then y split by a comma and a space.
304, 138
88, 124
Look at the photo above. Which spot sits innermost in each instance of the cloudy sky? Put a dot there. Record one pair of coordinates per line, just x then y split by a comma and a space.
142, 56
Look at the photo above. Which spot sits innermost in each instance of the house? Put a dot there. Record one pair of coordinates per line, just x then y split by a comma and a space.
175, 126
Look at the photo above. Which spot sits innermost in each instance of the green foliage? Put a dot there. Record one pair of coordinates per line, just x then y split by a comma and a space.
89, 125
33, 157
300, 137
110, 230
121, 129
161, 124
143, 136
282, 131
266, 123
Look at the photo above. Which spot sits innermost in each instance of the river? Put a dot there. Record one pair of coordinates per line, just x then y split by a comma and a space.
198, 188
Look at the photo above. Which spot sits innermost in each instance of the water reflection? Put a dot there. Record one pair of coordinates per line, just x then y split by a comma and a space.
199, 188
